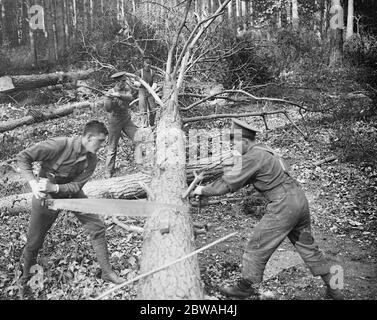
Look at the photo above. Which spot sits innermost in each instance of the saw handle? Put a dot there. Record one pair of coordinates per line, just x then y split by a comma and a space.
198, 177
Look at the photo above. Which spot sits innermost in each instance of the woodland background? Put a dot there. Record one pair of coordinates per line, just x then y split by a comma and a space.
282, 49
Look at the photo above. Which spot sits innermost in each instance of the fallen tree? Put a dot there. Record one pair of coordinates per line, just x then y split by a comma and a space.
10, 84
38, 116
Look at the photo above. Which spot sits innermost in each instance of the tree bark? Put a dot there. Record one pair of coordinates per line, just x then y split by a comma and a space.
60, 29
50, 20
336, 34
32, 36
29, 82
168, 233
1, 23
25, 22
350, 19
295, 19
10, 21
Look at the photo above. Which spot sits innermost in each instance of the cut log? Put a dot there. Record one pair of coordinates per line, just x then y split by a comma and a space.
125, 187
9, 84
37, 116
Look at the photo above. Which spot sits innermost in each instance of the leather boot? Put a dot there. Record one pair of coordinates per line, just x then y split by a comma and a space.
27, 261
102, 253
334, 294
243, 289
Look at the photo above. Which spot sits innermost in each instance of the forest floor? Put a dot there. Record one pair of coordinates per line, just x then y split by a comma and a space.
342, 199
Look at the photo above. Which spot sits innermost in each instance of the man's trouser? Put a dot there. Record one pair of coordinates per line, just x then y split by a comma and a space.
287, 215
117, 124
41, 221
147, 103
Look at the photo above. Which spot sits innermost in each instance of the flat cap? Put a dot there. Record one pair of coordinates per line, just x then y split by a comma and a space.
247, 130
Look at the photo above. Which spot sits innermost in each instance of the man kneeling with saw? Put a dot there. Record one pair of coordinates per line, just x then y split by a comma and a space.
66, 165
287, 213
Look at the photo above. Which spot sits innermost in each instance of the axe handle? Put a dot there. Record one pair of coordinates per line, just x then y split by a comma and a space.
190, 188
193, 184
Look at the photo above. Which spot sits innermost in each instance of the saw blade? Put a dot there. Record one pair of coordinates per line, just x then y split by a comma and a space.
111, 207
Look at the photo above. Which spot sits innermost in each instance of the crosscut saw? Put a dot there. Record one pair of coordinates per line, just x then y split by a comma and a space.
110, 207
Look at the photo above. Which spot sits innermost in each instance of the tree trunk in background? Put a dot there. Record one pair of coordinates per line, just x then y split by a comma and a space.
32, 36
321, 17
1, 23
350, 19
247, 12
10, 22
168, 233
25, 23
288, 11
336, 34
230, 10
60, 29
279, 22
74, 20
49, 20
67, 22
295, 19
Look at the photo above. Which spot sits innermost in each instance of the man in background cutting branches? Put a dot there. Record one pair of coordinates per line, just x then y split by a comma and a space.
116, 103
287, 213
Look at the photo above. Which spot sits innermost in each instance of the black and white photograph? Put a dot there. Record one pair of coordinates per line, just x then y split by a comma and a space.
222, 152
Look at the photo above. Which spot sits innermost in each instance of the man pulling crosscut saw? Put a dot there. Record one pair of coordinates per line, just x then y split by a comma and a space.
66, 165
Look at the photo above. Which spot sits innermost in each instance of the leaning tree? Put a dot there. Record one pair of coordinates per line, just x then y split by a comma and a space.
168, 233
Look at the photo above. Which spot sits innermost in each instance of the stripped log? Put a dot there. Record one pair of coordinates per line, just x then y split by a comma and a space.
37, 116
10, 84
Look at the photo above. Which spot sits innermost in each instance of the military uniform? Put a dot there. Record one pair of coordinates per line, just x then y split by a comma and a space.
66, 163
287, 212
119, 120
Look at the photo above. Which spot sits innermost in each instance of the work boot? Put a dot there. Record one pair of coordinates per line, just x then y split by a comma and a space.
331, 293
27, 261
102, 253
243, 289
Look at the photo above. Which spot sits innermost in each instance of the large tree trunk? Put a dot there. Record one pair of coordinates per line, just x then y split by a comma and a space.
349, 33
29, 82
168, 233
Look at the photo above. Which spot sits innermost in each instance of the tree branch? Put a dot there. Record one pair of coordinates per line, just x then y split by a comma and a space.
247, 94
